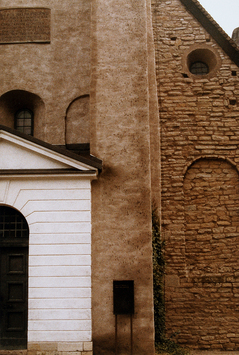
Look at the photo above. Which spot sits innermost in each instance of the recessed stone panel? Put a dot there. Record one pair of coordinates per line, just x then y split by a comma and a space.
24, 25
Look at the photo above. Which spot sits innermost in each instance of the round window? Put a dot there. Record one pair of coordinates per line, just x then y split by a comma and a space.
201, 61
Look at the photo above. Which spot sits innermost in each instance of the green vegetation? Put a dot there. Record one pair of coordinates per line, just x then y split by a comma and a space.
159, 269
162, 343
170, 347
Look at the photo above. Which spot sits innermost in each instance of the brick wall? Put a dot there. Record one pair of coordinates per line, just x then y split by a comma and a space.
199, 182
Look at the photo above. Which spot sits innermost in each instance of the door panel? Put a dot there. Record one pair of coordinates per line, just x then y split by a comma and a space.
13, 287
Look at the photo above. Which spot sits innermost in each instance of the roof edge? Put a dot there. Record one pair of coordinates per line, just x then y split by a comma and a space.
213, 28
91, 160
48, 172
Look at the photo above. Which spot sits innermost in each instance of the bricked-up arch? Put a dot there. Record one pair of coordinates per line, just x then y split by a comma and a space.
78, 121
211, 192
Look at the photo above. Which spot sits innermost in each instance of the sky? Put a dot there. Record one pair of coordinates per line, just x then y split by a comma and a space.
224, 12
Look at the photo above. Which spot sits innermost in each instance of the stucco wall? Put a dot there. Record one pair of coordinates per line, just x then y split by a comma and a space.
57, 72
109, 59
199, 172
121, 199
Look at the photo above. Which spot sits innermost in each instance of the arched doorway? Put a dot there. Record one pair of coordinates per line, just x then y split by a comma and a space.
14, 237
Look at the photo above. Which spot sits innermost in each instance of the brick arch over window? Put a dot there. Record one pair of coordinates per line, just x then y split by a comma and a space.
78, 121
211, 193
16, 100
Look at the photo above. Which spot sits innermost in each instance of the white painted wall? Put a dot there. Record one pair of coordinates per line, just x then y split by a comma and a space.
58, 212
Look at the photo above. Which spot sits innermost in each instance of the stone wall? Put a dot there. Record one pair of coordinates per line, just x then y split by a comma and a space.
199, 182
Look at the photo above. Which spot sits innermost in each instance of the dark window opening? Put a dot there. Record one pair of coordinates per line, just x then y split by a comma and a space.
232, 102
12, 224
234, 73
24, 121
199, 68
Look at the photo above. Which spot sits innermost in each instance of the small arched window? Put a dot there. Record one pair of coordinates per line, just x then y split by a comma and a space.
13, 226
24, 121
199, 68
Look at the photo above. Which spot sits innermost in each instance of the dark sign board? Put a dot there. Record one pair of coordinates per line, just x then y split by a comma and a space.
25, 25
123, 297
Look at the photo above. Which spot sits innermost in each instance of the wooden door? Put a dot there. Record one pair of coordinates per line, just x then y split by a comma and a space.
13, 280
14, 298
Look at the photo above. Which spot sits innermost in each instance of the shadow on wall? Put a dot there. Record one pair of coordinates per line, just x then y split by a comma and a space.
13, 101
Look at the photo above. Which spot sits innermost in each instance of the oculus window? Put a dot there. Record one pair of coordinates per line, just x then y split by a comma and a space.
200, 61
24, 121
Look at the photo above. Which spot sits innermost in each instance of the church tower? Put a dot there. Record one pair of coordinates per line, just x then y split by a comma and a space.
78, 103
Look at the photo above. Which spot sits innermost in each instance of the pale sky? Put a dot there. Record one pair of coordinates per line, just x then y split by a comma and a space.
224, 12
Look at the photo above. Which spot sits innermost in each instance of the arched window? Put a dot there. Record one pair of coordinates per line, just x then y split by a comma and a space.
23, 111
12, 226
24, 121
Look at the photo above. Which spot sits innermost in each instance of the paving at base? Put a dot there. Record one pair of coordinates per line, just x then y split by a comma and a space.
207, 352
211, 352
